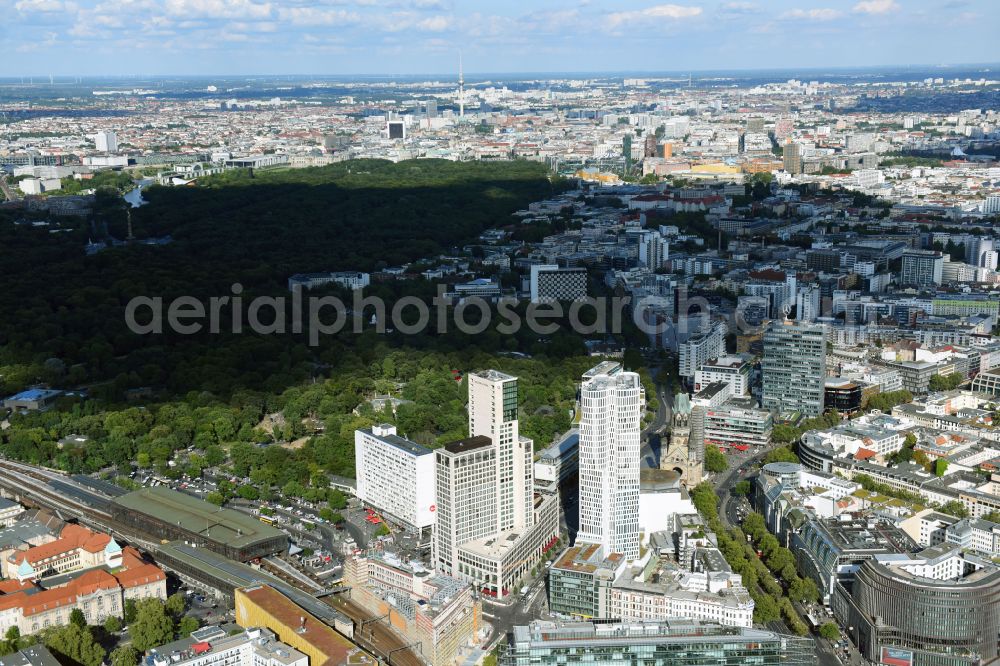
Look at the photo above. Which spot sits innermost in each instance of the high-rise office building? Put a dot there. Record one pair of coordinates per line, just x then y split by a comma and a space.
611, 409
395, 129
461, 89
794, 368
493, 414
792, 158
490, 529
922, 268
431, 106
106, 142
548, 282
701, 348
481, 485
466, 491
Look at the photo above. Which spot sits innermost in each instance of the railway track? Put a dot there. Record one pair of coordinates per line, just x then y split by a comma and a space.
34, 485
56, 491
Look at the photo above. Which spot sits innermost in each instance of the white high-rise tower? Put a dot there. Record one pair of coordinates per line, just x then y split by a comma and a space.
610, 425
493, 414
106, 141
461, 88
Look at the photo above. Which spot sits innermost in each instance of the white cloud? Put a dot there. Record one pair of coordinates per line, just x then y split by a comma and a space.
218, 9
740, 8
439, 5
819, 14
314, 16
670, 12
434, 24
876, 6
45, 6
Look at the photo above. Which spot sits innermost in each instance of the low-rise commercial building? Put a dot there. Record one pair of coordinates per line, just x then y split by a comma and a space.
652, 643
9, 512
560, 462
347, 279
832, 551
263, 606
733, 370
253, 647
580, 581
730, 425
32, 400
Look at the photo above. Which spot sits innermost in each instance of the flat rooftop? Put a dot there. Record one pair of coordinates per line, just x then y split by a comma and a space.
865, 535
400, 443
223, 526
569, 441
541, 632
738, 361
587, 558
658, 479
34, 394
494, 375
711, 390
603, 368
318, 635
468, 444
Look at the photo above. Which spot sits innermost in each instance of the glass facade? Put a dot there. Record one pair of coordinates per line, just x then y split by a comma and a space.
794, 368
945, 623
676, 643
510, 400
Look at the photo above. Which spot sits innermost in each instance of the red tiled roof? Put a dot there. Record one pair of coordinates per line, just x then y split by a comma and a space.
72, 538
139, 576
46, 600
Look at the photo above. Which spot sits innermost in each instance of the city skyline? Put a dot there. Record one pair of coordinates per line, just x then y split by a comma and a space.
407, 37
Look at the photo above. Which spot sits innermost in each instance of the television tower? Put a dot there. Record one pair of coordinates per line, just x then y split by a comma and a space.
461, 88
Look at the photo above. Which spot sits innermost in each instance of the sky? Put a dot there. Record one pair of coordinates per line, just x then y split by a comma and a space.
387, 37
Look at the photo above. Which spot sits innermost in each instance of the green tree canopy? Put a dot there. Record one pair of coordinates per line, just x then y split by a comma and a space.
74, 643
124, 655
153, 626
715, 461
830, 631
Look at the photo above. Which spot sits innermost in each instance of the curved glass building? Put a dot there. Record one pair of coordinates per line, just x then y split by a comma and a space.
941, 606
